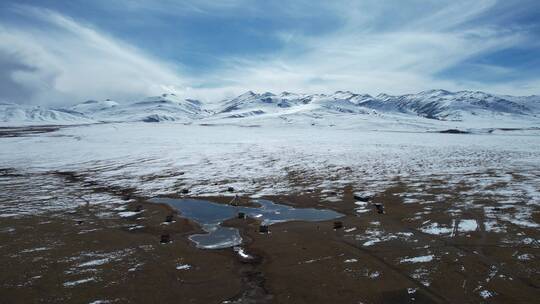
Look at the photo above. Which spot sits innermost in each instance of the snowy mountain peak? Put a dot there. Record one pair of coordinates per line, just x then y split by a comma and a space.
30, 115
92, 106
248, 94
436, 92
342, 95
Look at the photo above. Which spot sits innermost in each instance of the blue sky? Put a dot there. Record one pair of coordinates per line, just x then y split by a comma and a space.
58, 52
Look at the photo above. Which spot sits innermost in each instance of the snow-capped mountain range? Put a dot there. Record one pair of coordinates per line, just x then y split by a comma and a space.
437, 105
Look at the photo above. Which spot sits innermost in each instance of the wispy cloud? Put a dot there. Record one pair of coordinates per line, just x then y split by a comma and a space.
63, 61
369, 56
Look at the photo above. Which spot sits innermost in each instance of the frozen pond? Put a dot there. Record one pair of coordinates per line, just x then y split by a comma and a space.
210, 215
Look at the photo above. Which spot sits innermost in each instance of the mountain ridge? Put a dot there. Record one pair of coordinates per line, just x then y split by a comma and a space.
434, 104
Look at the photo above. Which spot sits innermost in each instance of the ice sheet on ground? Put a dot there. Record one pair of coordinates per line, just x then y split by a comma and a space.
467, 225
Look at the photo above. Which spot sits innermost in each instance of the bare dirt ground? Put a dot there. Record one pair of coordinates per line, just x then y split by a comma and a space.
97, 252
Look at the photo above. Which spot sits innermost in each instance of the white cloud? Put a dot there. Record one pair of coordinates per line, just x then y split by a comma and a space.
363, 57
65, 61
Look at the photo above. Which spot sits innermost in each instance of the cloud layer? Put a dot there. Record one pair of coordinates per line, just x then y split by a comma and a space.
364, 46
368, 56
64, 61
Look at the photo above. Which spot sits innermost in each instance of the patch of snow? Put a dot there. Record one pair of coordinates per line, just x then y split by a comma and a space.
135, 227
418, 259
374, 275
78, 282
494, 226
135, 267
315, 260
88, 231
436, 229
128, 213
242, 253
35, 249
486, 294
183, 267
525, 257
94, 263
373, 236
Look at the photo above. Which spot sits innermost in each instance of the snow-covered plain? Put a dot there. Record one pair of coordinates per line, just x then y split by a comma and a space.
157, 159
166, 158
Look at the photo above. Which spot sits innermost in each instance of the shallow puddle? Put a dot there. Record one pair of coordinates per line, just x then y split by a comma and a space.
210, 215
